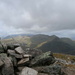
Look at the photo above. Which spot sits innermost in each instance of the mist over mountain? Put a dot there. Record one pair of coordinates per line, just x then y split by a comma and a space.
15, 35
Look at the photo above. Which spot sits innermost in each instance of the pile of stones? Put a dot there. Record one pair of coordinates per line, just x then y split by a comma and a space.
16, 61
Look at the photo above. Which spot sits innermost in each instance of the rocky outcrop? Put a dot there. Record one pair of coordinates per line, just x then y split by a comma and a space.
43, 59
50, 70
16, 61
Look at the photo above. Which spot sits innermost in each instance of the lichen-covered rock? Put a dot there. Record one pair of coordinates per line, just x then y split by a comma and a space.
43, 59
50, 70
7, 69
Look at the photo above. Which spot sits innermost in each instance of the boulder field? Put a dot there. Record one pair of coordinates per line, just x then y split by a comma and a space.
15, 61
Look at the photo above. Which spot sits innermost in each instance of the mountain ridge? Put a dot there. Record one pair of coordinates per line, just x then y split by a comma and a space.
41, 41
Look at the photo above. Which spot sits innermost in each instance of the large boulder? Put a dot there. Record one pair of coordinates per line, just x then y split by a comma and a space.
43, 59
13, 54
50, 70
19, 50
7, 68
28, 71
14, 60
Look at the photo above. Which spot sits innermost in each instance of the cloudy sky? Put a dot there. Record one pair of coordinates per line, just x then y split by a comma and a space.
37, 16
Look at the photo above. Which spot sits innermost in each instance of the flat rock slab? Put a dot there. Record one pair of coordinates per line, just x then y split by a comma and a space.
28, 71
27, 55
23, 61
19, 50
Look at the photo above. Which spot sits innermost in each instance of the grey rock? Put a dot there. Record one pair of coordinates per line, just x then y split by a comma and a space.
23, 61
17, 56
27, 55
7, 69
1, 63
10, 51
13, 54
20, 68
43, 59
19, 50
14, 60
1, 49
28, 71
50, 70
33, 52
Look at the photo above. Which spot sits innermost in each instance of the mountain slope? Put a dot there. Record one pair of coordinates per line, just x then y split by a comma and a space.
45, 42
37, 39
69, 41
57, 46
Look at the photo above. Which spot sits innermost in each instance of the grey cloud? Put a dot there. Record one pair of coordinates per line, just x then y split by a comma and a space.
38, 15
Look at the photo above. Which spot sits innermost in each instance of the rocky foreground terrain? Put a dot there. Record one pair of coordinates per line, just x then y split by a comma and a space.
16, 61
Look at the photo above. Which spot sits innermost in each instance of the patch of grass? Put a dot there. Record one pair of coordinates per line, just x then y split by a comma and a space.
41, 44
70, 66
64, 56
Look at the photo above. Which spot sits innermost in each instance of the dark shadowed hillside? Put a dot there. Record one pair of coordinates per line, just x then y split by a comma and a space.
69, 41
58, 46
37, 39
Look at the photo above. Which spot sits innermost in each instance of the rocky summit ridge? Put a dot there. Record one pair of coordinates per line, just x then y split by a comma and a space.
16, 61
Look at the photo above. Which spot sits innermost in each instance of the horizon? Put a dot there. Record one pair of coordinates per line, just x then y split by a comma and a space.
15, 35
